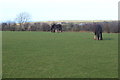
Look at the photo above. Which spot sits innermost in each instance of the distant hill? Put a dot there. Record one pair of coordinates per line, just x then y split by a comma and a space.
76, 21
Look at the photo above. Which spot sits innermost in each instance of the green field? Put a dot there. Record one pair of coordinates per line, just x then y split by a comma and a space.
59, 55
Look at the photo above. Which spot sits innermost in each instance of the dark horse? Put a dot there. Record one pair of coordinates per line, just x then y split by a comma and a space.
56, 28
98, 32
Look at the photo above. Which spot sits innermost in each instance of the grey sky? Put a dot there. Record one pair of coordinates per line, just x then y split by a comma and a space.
42, 10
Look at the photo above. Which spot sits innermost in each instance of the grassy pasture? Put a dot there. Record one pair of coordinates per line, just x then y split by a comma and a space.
59, 55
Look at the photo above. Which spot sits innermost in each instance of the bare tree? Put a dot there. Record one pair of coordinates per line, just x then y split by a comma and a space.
22, 19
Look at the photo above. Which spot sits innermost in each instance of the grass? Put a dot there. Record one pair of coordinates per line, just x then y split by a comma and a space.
59, 55
0, 54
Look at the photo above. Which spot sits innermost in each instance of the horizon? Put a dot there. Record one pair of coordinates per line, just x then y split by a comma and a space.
63, 21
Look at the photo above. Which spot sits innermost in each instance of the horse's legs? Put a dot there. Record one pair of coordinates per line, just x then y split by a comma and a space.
97, 36
100, 36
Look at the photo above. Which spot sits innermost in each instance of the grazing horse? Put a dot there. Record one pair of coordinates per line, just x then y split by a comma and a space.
56, 28
98, 32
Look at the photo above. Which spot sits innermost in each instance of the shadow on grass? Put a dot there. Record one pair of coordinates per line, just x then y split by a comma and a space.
108, 39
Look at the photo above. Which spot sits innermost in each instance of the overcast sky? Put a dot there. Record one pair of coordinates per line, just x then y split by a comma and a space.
45, 10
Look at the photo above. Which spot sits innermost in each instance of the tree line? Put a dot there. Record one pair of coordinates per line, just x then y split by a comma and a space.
109, 26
